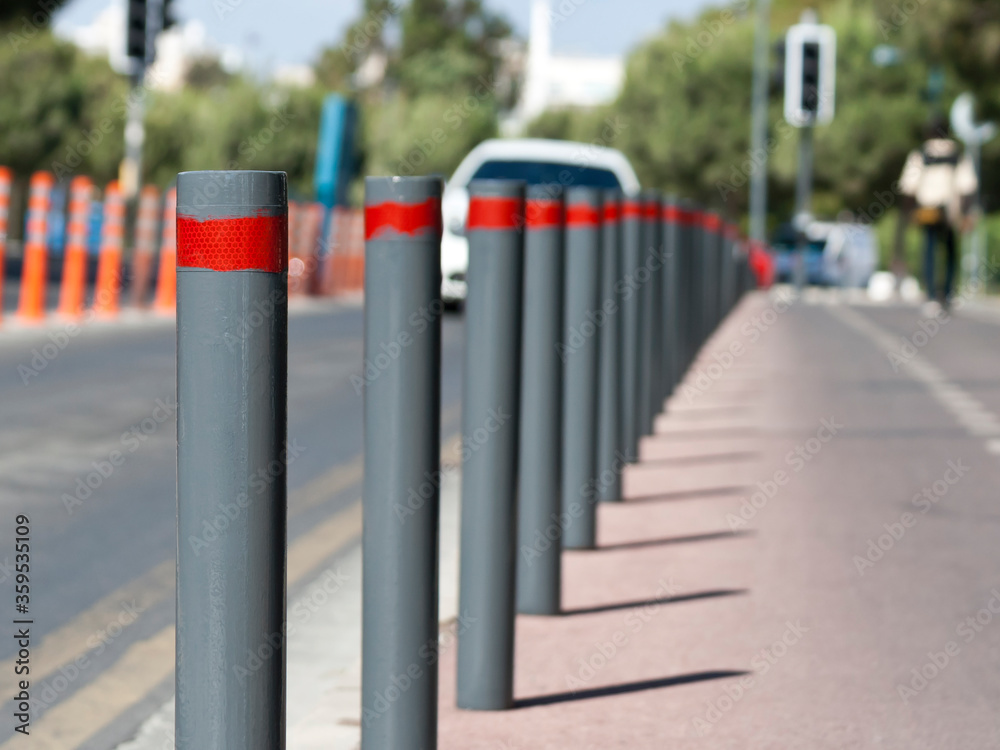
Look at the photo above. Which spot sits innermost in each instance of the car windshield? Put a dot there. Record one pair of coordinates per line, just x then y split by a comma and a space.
545, 173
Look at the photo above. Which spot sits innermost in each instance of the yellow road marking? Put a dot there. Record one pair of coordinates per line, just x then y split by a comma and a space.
140, 669
83, 633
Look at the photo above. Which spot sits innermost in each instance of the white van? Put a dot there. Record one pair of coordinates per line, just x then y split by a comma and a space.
533, 160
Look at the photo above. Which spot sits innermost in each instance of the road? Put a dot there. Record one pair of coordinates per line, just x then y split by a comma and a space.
103, 536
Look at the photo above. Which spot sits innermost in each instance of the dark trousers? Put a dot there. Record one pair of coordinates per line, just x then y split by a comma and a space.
948, 233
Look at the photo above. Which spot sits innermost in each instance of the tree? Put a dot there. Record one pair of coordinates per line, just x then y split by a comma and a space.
60, 110
26, 15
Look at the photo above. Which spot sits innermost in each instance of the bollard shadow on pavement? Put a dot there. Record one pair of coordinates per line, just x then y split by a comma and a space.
711, 458
706, 492
710, 536
680, 599
627, 687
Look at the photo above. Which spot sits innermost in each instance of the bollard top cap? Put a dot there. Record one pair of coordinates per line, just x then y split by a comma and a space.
226, 194
583, 194
402, 189
497, 189
548, 191
496, 205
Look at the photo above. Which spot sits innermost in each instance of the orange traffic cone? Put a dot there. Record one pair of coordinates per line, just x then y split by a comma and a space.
74, 276
31, 303
145, 241
166, 281
5, 180
109, 262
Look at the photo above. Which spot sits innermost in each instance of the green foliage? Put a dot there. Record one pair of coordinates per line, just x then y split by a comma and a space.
59, 110
238, 126
24, 16
429, 134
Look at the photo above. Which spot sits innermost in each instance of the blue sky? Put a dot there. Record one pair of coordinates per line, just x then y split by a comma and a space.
272, 32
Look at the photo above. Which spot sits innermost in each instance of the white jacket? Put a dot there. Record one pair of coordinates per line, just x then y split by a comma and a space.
938, 176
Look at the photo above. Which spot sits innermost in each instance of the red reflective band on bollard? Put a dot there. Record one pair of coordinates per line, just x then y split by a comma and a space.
403, 218
582, 215
631, 210
494, 213
711, 222
673, 214
244, 243
543, 214
611, 212
651, 211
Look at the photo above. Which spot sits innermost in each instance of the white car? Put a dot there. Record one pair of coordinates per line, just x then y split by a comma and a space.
533, 160
850, 255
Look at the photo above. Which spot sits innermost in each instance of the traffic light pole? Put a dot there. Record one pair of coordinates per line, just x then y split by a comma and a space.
758, 134
803, 201
130, 174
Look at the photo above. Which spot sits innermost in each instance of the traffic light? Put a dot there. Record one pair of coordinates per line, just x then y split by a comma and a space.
135, 30
810, 78
169, 19
810, 72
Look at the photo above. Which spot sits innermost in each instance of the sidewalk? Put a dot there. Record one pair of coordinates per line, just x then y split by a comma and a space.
654, 623
725, 606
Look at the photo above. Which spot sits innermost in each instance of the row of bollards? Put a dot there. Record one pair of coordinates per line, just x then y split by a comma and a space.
585, 306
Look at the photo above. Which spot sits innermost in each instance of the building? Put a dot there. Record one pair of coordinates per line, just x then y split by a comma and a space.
556, 81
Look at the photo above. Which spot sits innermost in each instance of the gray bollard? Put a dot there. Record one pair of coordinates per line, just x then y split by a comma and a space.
232, 340
540, 446
708, 276
684, 287
631, 320
580, 349
697, 266
648, 279
727, 278
609, 449
495, 229
402, 463
670, 340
